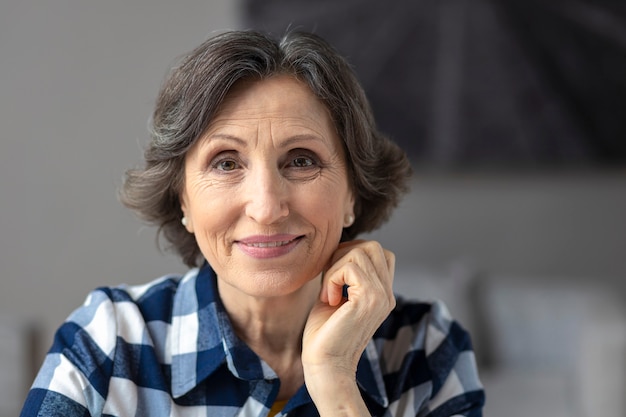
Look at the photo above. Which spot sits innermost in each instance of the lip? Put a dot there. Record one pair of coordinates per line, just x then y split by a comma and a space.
268, 246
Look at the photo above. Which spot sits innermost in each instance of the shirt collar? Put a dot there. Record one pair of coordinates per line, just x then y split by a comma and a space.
203, 339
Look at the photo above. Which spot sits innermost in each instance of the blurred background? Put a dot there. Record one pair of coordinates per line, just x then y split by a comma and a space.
513, 113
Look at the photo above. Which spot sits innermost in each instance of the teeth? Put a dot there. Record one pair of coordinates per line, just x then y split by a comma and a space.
268, 244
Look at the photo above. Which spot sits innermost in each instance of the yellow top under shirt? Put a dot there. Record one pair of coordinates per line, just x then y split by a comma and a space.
278, 405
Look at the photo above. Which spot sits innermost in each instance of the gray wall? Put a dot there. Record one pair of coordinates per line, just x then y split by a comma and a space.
77, 81
564, 227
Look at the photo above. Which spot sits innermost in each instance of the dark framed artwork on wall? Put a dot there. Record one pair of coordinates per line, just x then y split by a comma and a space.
506, 84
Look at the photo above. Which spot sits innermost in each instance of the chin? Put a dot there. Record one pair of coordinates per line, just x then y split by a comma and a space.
275, 284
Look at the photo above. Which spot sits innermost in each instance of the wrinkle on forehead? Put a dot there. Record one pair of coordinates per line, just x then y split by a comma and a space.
281, 107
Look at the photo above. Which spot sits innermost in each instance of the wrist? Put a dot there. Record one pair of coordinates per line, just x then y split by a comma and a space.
334, 391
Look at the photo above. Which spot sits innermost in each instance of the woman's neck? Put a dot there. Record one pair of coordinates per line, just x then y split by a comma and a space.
272, 327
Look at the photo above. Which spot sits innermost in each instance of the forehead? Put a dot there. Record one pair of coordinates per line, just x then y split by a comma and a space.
280, 98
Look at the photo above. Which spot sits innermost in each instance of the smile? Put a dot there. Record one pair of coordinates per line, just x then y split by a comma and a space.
264, 247
269, 244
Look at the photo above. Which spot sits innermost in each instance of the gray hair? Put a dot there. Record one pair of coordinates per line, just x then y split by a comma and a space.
192, 95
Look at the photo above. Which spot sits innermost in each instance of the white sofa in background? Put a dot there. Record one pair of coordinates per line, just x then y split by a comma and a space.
544, 349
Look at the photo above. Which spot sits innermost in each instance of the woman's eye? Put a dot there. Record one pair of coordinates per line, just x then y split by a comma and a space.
225, 164
303, 162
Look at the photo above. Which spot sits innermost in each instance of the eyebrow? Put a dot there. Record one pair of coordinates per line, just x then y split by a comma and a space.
305, 137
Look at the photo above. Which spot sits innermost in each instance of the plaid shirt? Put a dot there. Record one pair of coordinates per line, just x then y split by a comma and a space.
168, 349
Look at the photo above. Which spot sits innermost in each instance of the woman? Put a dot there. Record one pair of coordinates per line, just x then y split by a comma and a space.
264, 164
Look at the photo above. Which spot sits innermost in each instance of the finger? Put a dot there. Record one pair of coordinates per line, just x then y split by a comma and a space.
362, 284
390, 257
353, 270
376, 262
330, 292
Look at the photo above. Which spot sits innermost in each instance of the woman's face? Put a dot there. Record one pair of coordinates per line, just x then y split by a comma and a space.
266, 190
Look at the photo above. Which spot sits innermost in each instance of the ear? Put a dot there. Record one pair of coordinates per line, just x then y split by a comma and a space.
186, 220
348, 218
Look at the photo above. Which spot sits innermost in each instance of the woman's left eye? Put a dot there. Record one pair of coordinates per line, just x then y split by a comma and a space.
303, 162
302, 158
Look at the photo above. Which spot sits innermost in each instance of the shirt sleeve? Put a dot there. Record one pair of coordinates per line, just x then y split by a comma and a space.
456, 387
74, 378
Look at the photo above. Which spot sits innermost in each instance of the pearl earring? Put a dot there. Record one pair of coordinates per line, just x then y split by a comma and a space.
184, 221
349, 220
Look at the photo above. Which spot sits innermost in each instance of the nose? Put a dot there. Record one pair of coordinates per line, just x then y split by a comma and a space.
266, 196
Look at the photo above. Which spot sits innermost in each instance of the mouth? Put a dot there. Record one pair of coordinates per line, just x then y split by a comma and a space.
262, 247
269, 244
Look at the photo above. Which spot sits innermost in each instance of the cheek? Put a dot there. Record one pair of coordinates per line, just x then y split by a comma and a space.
213, 215
328, 208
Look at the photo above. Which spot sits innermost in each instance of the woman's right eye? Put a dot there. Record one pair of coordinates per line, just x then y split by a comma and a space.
226, 165
225, 162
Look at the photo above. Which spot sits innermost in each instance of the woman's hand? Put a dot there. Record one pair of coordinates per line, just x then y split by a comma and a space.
338, 328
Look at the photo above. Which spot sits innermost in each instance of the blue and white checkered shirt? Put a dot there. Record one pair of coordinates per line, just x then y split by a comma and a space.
168, 349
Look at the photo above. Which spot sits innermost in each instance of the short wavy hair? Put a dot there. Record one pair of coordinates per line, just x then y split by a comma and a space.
191, 96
